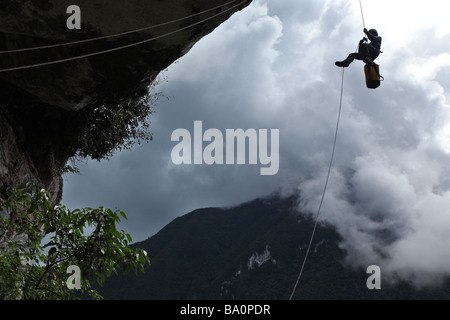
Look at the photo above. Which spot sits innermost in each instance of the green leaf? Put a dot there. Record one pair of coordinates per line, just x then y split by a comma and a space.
96, 253
123, 215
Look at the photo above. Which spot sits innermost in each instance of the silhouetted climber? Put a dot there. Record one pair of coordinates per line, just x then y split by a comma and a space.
367, 52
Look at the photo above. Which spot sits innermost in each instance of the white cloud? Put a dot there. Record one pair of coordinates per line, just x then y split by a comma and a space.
272, 66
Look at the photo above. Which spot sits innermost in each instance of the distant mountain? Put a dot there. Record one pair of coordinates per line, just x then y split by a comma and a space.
252, 251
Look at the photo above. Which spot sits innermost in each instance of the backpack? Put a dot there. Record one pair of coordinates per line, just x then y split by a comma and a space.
372, 72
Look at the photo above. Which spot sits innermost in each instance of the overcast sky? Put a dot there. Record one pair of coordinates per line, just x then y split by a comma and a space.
271, 66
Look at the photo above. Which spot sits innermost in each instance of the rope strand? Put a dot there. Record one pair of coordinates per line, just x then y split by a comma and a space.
114, 35
117, 48
324, 189
362, 14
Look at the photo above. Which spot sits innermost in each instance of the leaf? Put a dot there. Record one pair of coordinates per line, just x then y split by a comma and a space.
123, 215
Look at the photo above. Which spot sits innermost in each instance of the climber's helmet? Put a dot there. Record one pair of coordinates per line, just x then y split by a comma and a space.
374, 32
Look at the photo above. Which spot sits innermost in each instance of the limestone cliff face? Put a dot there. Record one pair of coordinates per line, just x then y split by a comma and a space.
35, 103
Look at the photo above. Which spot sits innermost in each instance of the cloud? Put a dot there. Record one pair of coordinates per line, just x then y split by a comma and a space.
271, 66
389, 191
227, 81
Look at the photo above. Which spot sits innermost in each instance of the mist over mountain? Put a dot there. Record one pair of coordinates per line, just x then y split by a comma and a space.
270, 66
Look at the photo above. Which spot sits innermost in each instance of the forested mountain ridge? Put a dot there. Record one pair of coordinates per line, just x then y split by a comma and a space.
252, 251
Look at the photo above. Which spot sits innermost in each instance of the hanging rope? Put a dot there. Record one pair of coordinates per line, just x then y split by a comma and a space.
114, 35
362, 14
324, 189
121, 47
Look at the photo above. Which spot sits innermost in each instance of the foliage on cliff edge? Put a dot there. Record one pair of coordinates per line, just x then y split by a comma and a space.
30, 269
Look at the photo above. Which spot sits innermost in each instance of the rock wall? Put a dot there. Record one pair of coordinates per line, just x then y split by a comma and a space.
32, 96
17, 167
115, 75
38, 100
